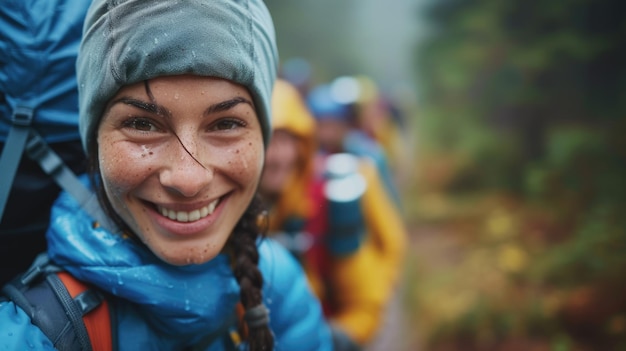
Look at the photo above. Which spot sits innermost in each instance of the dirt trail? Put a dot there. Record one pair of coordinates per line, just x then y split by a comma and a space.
431, 244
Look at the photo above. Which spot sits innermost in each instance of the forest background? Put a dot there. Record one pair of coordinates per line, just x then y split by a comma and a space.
513, 192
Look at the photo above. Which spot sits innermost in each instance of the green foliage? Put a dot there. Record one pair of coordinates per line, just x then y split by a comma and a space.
586, 161
531, 96
513, 74
594, 254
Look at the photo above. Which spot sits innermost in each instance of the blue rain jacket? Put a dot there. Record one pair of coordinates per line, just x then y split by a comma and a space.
165, 307
39, 41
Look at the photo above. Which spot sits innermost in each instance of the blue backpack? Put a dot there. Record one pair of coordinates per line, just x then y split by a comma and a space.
39, 140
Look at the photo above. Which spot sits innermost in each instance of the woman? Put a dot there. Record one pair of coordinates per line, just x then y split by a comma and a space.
174, 117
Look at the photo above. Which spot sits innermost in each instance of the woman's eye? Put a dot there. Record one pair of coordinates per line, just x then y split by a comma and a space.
140, 124
227, 124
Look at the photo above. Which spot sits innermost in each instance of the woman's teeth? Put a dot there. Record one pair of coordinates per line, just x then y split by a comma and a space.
183, 216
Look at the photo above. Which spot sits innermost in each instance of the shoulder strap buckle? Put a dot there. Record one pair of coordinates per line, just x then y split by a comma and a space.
42, 266
23, 116
38, 150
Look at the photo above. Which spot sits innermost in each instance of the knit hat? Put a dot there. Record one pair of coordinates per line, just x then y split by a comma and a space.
129, 41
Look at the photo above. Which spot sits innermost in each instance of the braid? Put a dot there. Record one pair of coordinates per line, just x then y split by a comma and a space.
247, 273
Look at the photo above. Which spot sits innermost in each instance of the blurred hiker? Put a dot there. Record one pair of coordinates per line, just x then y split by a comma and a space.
333, 213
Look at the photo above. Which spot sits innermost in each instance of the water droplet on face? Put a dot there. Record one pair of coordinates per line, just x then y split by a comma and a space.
144, 151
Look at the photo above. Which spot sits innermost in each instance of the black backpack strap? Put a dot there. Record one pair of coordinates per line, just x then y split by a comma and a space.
38, 150
13, 150
22, 137
46, 300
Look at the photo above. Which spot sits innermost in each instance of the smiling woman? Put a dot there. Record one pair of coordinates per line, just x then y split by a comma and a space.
174, 117
158, 143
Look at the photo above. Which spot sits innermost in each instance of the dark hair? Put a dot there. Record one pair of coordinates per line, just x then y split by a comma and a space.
243, 243
242, 246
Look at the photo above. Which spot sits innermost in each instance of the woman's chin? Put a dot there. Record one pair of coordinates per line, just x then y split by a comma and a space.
187, 261
185, 257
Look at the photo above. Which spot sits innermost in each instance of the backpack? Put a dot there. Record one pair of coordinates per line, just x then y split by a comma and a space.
336, 191
39, 141
73, 315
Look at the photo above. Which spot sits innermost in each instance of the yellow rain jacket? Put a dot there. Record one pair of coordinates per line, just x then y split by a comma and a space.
354, 288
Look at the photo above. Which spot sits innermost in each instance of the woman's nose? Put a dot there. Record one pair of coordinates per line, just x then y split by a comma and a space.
185, 174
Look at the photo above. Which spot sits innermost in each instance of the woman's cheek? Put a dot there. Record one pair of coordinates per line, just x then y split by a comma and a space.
124, 164
247, 162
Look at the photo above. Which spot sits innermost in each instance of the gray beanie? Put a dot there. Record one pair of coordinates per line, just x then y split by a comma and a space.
129, 41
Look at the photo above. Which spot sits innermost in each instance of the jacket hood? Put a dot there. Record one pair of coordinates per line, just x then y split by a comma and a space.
229, 39
290, 114
39, 42
181, 300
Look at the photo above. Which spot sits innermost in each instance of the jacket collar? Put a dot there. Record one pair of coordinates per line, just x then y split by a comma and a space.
174, 299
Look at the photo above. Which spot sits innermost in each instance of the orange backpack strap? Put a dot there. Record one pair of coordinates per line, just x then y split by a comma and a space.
97, 321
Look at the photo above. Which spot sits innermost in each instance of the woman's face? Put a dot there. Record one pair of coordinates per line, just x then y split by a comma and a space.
180, 159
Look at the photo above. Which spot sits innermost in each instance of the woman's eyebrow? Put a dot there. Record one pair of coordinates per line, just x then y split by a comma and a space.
160, 110
146, 106
227, 104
